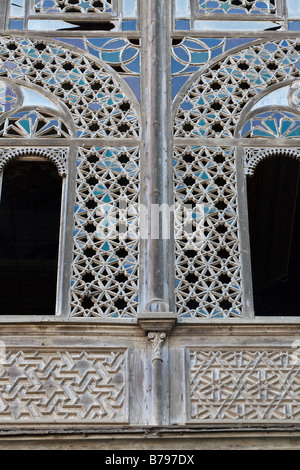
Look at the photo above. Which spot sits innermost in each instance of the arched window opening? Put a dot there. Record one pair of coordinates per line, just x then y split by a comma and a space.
29, 237
274, 226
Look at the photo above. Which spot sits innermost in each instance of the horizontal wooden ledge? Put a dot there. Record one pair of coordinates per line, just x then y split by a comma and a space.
231, 142
127, 327
120, 431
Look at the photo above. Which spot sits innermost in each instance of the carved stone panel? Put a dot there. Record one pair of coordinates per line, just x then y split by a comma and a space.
64, 386
261, 385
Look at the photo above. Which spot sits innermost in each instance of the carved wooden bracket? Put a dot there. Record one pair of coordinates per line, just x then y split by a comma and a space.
156, 340
158, 322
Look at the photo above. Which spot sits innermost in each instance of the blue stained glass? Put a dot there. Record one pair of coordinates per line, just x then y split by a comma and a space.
16, 24
182, 25
192, 68
129, 53
295, 133
98, 42
246, 128
112, 57
176, 66
106, 247
129, 25
285, 126
238, 11
186, 106
236, 42
216, 52
134, 83
26, 125
181, 53
294, 25
272, 125
93, 51
134, 66
199, 57
95, 106
177, 83
77, 42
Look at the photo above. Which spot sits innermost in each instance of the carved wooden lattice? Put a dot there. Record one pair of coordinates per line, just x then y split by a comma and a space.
73, 6
237, 6
97, 103
213, 104
208, 277
105, 263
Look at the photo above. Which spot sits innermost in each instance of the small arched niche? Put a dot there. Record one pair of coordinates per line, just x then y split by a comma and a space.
273, 191
30, 212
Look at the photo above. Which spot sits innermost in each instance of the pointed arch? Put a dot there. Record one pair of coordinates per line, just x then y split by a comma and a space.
100, 102
213, 99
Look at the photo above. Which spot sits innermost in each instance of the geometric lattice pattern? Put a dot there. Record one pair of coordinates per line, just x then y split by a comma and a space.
244, 385
237, 6
273, 124
72, 6
97, 103
63, 386
105, 259
208, 267
213, 104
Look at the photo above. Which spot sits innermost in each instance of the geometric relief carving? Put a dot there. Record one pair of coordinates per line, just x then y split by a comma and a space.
252, 385
64, 386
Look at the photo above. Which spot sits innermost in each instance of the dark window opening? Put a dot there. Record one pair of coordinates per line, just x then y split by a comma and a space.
29, 238
274, 226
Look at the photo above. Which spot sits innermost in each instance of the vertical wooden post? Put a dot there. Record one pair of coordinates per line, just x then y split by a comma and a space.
157, 278
3, 11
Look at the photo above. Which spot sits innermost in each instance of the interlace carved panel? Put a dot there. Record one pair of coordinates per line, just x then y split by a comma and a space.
244, 385
64, 386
